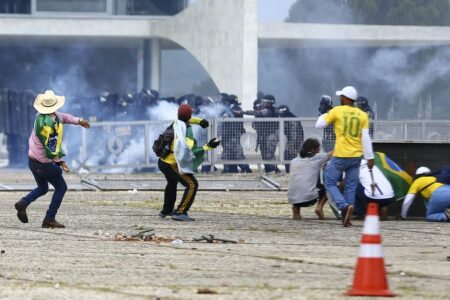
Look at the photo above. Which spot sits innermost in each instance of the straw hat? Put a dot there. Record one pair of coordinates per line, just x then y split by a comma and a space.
48, 102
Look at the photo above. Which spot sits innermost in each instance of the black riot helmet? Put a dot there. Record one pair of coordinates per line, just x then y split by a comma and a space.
225, 99
267, 101
199, 100
155, 94
325, 104
363, 104
234, 99
284, 111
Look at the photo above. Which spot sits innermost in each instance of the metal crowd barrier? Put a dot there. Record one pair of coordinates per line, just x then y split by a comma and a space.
128, 145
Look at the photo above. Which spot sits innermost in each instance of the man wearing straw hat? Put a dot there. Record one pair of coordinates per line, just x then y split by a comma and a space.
44, 156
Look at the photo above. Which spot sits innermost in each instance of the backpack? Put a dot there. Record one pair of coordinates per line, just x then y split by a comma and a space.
161, 146
443, 175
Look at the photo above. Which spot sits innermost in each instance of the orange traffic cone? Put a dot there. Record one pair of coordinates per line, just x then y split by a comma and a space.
370, 275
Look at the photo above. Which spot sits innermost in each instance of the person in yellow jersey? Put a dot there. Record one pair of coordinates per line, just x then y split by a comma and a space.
351, 127
179, 165
436, 194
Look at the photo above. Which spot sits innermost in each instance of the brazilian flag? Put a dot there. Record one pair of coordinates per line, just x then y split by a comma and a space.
399, 179
49, 132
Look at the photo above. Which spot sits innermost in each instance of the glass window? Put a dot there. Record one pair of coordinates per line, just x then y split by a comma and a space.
15, 7
95, 6
150, 7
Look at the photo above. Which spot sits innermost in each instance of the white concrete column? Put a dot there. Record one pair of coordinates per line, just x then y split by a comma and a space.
140, 66
155, 63
250, 54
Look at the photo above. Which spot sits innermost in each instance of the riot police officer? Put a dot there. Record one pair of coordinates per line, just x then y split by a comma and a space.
329, 138
363, 104
267, 132
257, 102
231, 133
293, 130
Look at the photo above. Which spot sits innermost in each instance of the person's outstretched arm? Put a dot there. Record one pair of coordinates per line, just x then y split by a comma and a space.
407, 204
321, 123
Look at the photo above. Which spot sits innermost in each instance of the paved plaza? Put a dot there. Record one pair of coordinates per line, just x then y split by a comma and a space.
274, 257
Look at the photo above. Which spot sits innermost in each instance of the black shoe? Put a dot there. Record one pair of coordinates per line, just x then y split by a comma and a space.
21, 207
182, 217
52, 224
162, 214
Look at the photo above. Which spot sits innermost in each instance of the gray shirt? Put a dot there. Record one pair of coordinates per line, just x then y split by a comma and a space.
303, 178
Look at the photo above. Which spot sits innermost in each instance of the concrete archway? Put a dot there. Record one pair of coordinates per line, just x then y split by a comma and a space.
225, 42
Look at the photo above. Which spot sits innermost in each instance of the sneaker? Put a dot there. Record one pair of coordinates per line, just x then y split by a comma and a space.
162, 214
182, 217
21, 207
447, 214
52, 224
347, 216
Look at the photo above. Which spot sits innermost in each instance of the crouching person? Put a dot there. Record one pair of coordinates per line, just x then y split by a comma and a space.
178, 166
44, 156
304, 188
434, 190
384, 184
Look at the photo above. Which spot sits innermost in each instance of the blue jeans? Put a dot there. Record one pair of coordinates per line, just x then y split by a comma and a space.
43, 174
438, 203
333, 175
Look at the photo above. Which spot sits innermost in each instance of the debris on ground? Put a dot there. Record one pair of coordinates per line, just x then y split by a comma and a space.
206, 291
211, 239
144, 236
177, 242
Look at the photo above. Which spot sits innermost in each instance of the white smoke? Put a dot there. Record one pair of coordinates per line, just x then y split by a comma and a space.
215, 110
396, 69
402, 75
163, 111
407, 74
71, 84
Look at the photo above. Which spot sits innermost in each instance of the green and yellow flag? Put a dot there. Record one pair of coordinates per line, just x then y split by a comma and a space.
49, 132
399, 179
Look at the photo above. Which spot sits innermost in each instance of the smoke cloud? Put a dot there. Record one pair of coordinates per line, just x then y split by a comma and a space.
400, 70
405, 76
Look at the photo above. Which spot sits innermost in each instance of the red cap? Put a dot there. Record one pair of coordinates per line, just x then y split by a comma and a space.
185, 112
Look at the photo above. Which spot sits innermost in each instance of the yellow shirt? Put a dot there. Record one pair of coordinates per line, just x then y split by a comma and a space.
422, 182
348, 124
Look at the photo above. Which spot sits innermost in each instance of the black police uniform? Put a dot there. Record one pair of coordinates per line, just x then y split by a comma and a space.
293, 130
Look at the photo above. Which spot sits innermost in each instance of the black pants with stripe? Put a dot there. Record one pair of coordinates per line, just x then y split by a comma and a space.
173, 176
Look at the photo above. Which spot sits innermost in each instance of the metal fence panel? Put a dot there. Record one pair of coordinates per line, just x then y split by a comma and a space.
249, 140
389, 131
127, 145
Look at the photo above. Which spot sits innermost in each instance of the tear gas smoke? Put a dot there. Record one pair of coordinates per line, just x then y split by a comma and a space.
407, 74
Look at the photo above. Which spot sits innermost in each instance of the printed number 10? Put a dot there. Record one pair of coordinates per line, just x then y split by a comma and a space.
351, 126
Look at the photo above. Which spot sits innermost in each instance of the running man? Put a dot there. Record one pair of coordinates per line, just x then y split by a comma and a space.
45, 156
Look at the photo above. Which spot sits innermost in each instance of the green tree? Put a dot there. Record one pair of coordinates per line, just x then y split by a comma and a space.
320, 11
383, 12
418, 12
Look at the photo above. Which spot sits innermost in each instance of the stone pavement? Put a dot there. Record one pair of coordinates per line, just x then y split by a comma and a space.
277, 258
